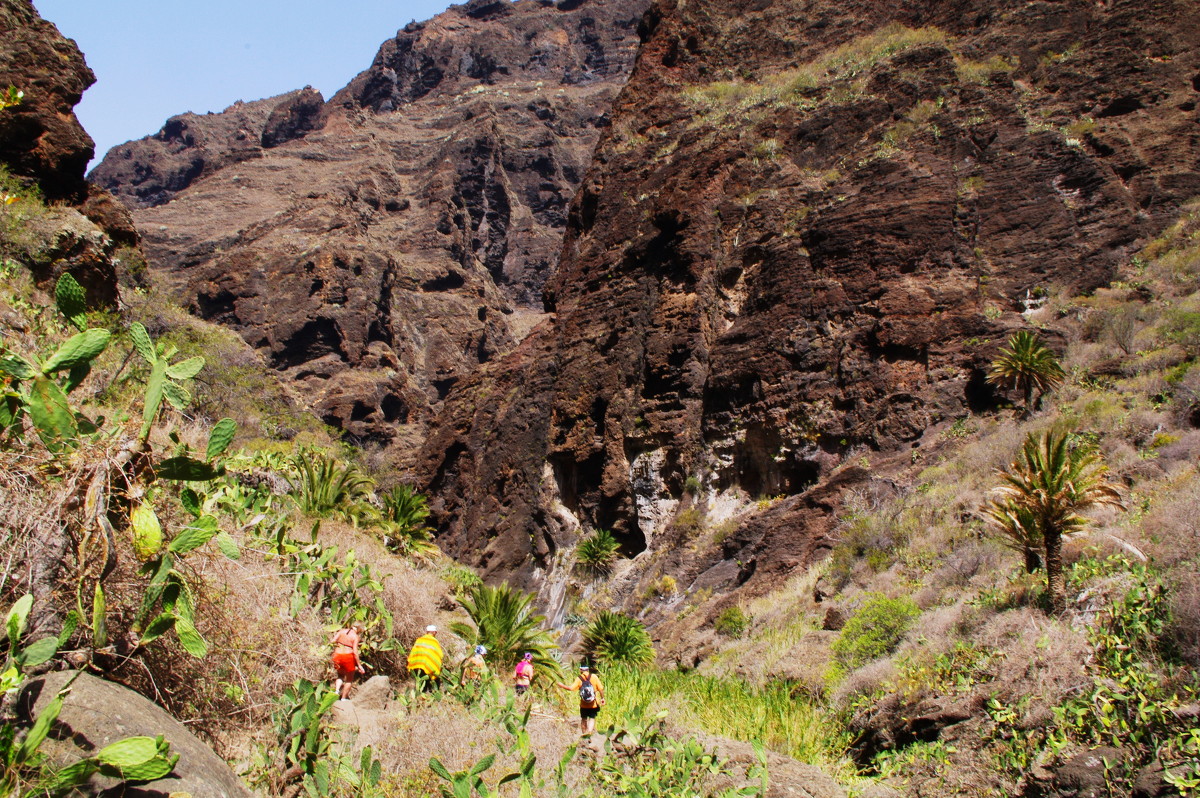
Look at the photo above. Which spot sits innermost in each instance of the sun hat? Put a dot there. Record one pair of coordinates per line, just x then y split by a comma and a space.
480, 650
528, 656
431, 628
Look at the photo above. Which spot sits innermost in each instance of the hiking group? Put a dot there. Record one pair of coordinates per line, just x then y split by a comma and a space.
425, 665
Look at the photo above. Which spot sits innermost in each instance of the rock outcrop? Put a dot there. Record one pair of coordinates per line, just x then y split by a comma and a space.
190, 146
97, 713
40, 137
802, 239
41, 141
382, 247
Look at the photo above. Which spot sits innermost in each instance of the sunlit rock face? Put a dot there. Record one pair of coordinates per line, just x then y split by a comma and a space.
805, 234
381, 246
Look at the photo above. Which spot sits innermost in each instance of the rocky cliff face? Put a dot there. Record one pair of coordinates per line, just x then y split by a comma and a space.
42, 142
801, 241
152, 170
381, 249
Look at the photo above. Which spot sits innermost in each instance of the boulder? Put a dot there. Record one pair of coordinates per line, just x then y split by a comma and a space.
97, 713
374, 693
1084, 775
788, 777
1149, 783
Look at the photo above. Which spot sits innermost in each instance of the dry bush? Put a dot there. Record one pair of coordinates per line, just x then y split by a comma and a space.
808, 661
256, 650
937, 630
1171, 529
411, 593
1184, 449
27, 514
1043, 658
965, 562
1184, 628
864, 681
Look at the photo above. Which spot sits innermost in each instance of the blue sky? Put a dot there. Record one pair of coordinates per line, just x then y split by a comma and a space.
157, 58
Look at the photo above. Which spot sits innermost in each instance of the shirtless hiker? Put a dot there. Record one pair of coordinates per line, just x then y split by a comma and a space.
345, 657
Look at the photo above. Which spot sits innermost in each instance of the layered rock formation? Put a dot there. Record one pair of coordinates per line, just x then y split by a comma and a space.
381, 248
801, 241
152, 170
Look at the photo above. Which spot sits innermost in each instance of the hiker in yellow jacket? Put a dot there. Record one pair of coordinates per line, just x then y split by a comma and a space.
425, 658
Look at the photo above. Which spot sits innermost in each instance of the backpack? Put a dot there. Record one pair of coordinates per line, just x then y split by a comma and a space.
523, 668
587, 693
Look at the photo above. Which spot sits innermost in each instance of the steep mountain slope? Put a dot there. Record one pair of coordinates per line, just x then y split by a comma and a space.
800, 243
388, 243
152, 170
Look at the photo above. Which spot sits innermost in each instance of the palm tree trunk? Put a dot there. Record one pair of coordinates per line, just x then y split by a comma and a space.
1033, 560
1054, 575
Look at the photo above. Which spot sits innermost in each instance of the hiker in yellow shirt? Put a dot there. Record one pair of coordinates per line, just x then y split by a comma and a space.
425, 659
591, 698
473, 667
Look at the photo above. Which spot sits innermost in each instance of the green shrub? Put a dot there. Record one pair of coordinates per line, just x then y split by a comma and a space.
689, 521
1183, 327
597, 552
461, 579
614, 638
731, 622
875, 630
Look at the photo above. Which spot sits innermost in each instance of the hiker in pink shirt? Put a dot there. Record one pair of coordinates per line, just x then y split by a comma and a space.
523, 675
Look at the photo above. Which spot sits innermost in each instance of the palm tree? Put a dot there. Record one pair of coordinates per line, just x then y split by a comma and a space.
506, 625
1045, 489
597, 552
1017, 526
404, 513
614, 638
1028, 365
325, 486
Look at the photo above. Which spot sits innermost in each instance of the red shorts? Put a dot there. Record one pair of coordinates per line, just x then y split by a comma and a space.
345, 664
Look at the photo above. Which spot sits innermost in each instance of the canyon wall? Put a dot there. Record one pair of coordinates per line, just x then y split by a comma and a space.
380, 246
806, 233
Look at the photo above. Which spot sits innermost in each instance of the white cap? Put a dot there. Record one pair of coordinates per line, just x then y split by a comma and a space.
431, 628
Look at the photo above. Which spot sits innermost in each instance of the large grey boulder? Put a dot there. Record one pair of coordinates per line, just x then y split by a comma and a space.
97, 713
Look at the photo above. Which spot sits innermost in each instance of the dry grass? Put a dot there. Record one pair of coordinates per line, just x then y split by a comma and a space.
1043, 658
414, 595
439, 726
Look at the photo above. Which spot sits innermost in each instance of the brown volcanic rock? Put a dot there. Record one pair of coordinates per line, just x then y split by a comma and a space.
152, 170
384, 256
42, 140
800, 213
40, 137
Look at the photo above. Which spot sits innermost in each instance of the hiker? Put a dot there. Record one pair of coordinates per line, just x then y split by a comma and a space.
345, 657
473, 667
523, 675
425, 659
591, 698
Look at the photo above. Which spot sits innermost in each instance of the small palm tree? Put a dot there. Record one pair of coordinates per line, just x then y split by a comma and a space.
404, 513
1028, 365
327, 486
615, 639
1045, 489
1018, 530
597, 552
506, 624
